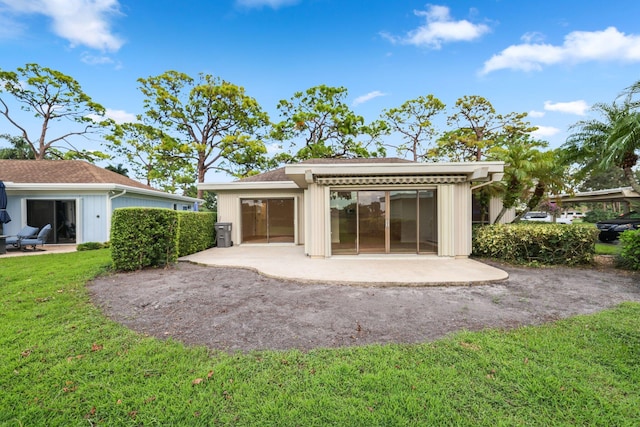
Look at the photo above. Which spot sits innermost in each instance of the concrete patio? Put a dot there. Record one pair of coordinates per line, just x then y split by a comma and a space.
289, 262
41, 250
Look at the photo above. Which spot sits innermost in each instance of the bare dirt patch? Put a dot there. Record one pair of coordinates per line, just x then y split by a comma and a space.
233, 309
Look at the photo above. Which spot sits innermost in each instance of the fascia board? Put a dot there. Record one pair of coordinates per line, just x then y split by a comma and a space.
252, 185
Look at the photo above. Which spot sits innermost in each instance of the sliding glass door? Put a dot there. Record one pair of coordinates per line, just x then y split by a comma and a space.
395, 221
268, 220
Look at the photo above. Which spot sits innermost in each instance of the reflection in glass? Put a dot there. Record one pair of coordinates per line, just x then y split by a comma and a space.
268, 220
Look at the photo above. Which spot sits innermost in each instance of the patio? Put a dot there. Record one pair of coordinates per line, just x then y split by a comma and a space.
289, 262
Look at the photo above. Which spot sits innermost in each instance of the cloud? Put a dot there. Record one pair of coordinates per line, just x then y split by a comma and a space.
578, 46
118, 116
579, 108
274, 4
81, 22
545, 131
368, 97
534, 113
439, 28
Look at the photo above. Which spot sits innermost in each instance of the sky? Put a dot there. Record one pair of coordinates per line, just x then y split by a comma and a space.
552, 59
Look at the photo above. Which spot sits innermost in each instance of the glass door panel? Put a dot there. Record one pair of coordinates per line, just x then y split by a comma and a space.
344, 222
371, 222
280, 213
254, 221
428, 221
403, 212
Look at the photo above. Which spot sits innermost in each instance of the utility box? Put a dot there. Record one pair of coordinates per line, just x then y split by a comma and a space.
223, 234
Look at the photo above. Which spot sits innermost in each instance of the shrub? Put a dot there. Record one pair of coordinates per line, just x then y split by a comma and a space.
90, 246
143, 237
546, 244
196, 231
630, 253
596, 215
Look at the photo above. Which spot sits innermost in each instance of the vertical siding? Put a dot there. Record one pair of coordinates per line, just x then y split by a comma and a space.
462, 219
316, 216
446, 220
94, 218
495, 206
14, 209
141, 202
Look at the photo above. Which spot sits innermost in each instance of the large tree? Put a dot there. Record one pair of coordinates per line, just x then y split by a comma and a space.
319, 124
413, 121
55, 100
213, 122
476, 127
612, 141
155, 157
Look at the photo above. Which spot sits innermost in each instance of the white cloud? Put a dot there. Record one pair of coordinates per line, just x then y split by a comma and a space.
368, 97
578, 46
118, 116
534, 113
579, 108
439, 28
274, 4
81, 22
545, 131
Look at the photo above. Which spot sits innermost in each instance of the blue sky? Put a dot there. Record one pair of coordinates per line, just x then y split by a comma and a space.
552, 59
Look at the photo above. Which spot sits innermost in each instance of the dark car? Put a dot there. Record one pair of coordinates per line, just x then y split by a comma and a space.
610, 229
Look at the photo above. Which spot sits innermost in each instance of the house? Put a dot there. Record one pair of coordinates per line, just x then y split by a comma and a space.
75, 197
357, 206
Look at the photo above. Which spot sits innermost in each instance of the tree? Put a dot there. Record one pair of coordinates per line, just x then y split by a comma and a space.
476, 127
19, 149
523, 161
119, 169
52, 97
155, 156
413, 121
211, 121
323, 123
596, 145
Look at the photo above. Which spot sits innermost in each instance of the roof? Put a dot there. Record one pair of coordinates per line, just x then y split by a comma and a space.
357, 171
71, 173
280, 175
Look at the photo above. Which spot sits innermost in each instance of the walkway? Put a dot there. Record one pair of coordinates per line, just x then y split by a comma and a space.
42, 250
289, 262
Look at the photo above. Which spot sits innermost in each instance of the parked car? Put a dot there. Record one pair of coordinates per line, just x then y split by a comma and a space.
610, 229
544, 217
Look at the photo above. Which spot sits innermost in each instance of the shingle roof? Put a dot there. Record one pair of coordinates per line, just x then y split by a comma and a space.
279, 175
61, 172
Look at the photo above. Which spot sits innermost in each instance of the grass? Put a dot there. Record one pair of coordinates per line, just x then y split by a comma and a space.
63, 363
607, 249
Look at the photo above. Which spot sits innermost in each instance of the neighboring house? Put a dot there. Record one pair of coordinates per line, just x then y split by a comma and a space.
357, 206
75, 197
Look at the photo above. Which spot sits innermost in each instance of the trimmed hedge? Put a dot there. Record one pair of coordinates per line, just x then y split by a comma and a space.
197, 231
630, 253
151, 237
143, 237
546, 244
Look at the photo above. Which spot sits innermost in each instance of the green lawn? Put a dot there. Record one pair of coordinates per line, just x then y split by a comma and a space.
63, 363
607, 249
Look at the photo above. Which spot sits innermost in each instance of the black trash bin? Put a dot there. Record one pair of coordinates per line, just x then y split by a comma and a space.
223, 234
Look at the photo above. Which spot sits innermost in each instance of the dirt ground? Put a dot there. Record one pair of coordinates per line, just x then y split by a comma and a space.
233, 309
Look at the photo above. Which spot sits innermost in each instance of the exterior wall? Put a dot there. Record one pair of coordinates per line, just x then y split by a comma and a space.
229, 209
495, 206
446, 221
462, 220
317, 218
143, 202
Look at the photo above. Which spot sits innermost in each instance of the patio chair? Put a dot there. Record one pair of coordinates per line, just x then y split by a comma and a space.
27, 232
41, 239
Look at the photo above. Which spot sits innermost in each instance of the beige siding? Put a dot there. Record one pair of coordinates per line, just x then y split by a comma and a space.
462, 219
316, 214
495, 206
229, 209
446, 223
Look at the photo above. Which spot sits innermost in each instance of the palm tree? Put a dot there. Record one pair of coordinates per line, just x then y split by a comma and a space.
598, 145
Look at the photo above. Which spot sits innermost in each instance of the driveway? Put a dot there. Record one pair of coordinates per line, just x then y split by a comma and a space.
234, 309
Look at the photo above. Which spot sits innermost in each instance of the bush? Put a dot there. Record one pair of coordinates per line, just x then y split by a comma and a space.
91, 246
197, 231
144, 237
546, 244
596, 215
630, 253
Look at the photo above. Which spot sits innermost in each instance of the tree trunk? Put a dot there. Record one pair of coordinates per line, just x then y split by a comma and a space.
631, 179
533, 201
500, 215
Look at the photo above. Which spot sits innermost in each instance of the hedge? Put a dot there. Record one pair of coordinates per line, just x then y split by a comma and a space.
630, 253
546, 244
196, 231
150, 237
